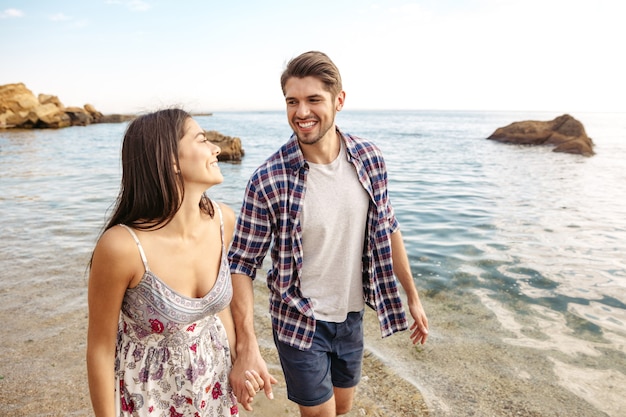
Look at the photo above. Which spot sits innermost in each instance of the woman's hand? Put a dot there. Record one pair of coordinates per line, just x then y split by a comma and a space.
254, 382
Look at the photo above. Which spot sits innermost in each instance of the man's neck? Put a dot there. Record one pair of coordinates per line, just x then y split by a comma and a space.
323, 151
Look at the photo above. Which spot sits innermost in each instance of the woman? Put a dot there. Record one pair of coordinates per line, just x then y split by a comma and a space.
160, 328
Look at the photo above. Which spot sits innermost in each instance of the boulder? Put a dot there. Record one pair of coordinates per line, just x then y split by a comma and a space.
19, 108
96, 116
231, 146
46, 98
565, 133
49, 115
79, 116
15, 97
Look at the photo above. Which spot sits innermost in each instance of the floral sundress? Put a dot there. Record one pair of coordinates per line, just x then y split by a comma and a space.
172, 357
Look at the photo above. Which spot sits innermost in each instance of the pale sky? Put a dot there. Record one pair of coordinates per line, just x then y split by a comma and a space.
127, 56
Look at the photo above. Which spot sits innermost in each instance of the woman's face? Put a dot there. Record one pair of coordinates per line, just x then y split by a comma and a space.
197, 158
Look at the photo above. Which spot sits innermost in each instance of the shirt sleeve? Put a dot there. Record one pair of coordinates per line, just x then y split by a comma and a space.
252, 234
394, 225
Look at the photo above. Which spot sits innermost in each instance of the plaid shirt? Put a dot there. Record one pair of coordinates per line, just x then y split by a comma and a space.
271, 213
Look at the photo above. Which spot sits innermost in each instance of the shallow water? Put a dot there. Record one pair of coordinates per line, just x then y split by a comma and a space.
530, 240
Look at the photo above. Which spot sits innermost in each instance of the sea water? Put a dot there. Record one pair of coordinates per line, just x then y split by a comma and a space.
537, 238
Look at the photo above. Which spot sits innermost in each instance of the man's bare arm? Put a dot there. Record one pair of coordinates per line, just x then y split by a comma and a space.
402, 270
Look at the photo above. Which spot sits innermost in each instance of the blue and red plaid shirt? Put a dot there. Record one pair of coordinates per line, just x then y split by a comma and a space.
271, 214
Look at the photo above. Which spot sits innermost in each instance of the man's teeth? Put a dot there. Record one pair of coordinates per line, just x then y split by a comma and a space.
305, 125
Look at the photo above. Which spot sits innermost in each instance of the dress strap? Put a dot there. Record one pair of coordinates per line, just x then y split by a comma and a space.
219, 210
141, 252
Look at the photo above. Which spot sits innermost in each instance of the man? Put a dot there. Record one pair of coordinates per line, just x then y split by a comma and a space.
321, 203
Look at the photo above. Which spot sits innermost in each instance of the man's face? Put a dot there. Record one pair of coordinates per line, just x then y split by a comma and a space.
311, 109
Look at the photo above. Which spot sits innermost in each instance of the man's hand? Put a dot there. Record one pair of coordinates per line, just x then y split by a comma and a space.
250, 375
419, 329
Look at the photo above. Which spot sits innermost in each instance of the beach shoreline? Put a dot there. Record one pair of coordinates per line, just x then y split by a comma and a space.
455, 374
43, 371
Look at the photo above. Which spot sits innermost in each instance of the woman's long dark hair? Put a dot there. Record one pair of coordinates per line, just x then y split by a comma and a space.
151, 191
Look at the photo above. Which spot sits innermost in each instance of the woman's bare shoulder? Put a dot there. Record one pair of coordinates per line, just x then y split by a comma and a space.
227, 212
116, 244
229, 220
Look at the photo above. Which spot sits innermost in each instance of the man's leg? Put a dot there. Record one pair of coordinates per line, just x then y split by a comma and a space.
326, 409
343, 399
347, 361
322, 380
339, 404
307, 375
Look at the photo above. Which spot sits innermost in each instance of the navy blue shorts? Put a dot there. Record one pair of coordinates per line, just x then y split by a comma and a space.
334, 360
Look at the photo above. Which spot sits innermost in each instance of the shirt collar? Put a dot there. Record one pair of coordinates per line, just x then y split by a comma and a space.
295, 158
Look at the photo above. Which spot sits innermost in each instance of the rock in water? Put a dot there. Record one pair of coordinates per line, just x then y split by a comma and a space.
231, 146
565, 133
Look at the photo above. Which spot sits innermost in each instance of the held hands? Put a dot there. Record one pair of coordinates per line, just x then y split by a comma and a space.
247, 382
254, 383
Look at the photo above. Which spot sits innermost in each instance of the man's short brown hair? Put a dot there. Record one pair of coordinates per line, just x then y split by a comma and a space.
314, 64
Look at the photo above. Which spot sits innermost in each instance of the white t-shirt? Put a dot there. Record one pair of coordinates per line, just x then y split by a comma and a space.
333, 220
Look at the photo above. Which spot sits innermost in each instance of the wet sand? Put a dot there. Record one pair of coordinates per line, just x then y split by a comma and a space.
43, 373
458, 373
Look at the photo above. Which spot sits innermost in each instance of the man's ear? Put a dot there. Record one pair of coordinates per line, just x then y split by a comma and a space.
341, 97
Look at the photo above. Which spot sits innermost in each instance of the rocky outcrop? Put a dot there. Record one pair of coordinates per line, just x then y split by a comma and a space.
565, 133
231, 147
19, 108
